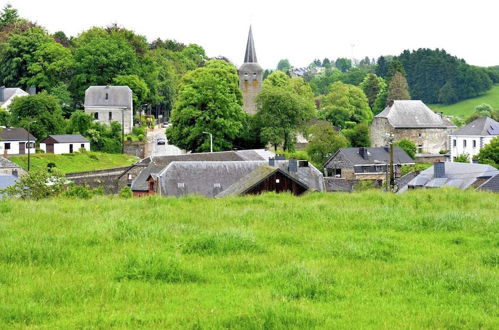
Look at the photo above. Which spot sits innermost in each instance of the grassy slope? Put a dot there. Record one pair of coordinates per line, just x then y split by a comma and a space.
467, 107
425, 259
77, 162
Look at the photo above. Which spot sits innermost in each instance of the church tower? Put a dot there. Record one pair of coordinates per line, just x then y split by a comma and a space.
250, 77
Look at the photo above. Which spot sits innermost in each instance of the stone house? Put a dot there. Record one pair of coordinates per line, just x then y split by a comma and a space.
110, 103
471, 138
365, 163
14, 141
412, 120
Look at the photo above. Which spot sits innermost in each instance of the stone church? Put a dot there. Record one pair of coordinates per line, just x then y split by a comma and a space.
250, 77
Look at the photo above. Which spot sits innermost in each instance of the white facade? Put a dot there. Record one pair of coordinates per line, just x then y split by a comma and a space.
13, 147
16, 92
66, 148
468, 144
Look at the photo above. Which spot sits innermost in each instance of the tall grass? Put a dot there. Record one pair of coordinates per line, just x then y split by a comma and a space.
424, 259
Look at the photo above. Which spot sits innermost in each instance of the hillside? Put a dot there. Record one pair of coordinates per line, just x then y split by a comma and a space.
467, 107
76, 162
425, 259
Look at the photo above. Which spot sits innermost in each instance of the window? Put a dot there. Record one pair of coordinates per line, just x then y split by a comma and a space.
454, 142
420, 134
217, 185
82, 146
277, 181
110, 115
246, 76
107, 96
96, 115
254, 76
180, 185
420, 149
474, 143
31, 145
464, 143
151, 185
7, 146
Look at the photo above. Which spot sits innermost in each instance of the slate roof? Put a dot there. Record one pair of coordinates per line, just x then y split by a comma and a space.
7, 180
9, 92
460, 175
118, 96
481, 126
157, 163
5, 163
413, 114
491, 184
68, 138
376, 155
15, 134
250, 54
211, 178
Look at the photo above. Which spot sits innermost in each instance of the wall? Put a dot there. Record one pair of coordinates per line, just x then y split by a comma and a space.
136, 149
108, 179
250, 85
116, 114
63, 148
14, 147
459, 149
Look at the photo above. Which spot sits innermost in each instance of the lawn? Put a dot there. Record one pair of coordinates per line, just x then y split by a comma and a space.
467, 107
424, 259
76, 162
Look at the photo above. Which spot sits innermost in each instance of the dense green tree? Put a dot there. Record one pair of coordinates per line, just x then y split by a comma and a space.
353, 76
380, 102
8, 16
408, 146
398, 88
4, 118
358, 136
79, 123
61, 92
209, 101
490, 153
345, 103
137, 85
343, 64
372, 85
483, 110
394, 67
323, 140
284, 65
382, 67
42, 108
37, 185
326, 63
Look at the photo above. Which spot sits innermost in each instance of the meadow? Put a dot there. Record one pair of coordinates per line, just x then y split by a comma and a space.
424, 259
467, 107
75, 162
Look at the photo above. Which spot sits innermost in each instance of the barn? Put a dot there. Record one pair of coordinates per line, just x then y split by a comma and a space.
64, 144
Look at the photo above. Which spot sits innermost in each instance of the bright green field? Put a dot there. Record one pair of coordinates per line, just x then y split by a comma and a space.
467, 107
425, 259
76, 162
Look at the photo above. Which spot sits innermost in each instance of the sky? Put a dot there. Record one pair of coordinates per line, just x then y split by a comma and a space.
297, 30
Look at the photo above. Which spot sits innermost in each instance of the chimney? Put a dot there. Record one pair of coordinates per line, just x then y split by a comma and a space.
32, 90
439, 170
2, 94
280, 157
363, 152
293, 166
390, 103
272, 161
15, 173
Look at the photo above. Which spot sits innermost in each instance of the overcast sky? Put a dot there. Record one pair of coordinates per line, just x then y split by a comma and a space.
297, 30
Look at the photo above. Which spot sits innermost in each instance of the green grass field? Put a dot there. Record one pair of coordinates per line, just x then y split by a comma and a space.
425, 259
467, 107
76, 162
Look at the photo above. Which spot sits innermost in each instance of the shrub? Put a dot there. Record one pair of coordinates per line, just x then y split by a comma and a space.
126, 192
408, 146
39, 151
37, 185
462, 158
365, 185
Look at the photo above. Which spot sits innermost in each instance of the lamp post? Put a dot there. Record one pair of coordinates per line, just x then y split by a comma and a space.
211, 140
29, 144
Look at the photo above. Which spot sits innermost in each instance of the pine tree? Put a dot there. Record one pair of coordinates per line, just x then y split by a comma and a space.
398, 88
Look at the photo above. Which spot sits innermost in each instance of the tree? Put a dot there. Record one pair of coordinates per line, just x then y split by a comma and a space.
343, 64
137, 85
284, 65
408, 146
323, 140
372, 85
490, 153
394, 67
37, 185
63, 95
358, 135
80, 123
398, 88
345, 103
326, 63
8, 16
209, 100
484, 109
4, 118
42, 108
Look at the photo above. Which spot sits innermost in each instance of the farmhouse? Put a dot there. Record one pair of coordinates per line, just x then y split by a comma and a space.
470, 139
14, 141
365, 163
110, 103
412, 120
7, 95
64, 144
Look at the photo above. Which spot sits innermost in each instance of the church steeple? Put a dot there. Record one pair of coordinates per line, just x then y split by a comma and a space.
250, 55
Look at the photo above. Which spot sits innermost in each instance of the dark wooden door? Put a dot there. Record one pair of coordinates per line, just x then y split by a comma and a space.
22, 148
70, 148
50, 148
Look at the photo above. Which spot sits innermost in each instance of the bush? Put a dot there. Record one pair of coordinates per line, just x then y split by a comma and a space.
37, 185
462, 158
39, 151
365, 185
408, 146
126, 192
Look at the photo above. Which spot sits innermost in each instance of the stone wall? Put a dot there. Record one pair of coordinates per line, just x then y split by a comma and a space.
107, 179
136, 149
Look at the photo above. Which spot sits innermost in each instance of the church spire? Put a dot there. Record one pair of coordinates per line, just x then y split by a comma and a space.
250, 55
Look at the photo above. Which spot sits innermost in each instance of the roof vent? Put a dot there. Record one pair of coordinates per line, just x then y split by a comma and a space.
439, 170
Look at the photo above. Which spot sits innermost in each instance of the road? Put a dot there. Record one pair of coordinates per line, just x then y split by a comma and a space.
153, 149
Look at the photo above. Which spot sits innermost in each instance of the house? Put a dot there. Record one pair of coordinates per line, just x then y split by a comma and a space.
8, 167
139, 174
14, 141
231, 178
449, 174
7, 180
64, 144
7, 95
470, 139
110, 103
365, 163
412, 120
491, 184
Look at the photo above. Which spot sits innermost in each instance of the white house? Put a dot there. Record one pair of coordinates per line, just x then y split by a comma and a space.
110, 103
473, 137
9, 94
64, 144
14, 141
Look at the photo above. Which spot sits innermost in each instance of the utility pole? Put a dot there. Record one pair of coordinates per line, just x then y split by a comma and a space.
389, 138
123, 130
29, 145
211, 140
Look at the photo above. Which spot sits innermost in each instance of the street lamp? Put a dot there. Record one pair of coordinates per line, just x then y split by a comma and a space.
29, 144
211, 140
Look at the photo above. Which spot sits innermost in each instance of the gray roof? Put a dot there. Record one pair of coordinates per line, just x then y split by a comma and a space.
69, 138
413, 114
157, 163
338, 184
375, 155
211, 178
460, 175
5, 163
118, 96
8, 92
250, 54
491, 184
7, 180
404, 180
15, 134
481, 126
